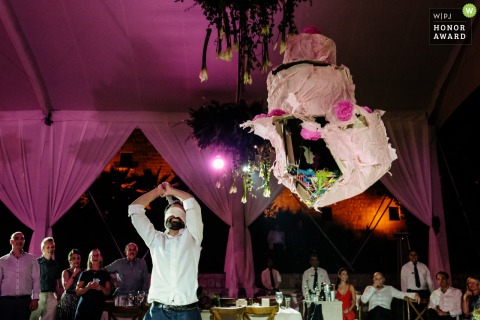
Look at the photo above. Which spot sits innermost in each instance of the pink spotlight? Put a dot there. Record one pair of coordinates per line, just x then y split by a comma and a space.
218, 163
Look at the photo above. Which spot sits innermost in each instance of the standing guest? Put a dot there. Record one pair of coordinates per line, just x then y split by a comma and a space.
314, 276
415, 276
276, 244
175, 253
379, 298
68, 302
49, 282
130, 273
271, 278
445, 302
346, 294
471, 297
93, 288
19, 281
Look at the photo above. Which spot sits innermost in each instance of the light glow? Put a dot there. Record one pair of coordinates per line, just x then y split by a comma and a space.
218, 163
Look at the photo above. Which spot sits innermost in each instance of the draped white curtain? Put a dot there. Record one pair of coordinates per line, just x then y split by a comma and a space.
45, 169
414, 178
193, 166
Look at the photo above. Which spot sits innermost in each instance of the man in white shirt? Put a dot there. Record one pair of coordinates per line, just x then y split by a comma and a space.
379, 298
314, 276
445, 302
410, 282
175, 253
271, 278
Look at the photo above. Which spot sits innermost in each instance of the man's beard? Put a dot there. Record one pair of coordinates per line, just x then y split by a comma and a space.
175, 224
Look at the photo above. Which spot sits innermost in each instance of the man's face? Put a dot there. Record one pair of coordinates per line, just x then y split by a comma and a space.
173, 222
442, 281
413, 257
48, 249
131, 252
314, 262
378, 279
17, 241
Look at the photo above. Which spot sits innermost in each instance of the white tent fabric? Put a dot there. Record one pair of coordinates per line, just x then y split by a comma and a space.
414, 179
47, 168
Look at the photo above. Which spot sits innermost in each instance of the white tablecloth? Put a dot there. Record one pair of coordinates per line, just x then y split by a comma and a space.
282, 314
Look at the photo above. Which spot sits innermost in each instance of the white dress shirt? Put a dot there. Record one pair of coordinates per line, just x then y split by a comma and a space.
450, 301
175, 258
19, 277
407, 276
267, 283
309, 274
383, 297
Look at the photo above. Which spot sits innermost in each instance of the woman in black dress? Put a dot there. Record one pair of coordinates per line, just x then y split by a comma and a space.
68, 303
93, 288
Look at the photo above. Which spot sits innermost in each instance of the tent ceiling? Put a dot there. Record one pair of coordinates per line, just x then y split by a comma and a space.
146, 55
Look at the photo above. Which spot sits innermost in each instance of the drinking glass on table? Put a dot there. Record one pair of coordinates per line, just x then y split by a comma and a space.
140, 297
279, 297
131, 298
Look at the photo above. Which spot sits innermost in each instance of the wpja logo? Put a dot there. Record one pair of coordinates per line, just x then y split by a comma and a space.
452, 26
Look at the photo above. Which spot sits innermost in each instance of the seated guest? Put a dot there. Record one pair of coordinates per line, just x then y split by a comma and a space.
130, 273
271, 278
445, 301
379, 298
346, 294
471, 297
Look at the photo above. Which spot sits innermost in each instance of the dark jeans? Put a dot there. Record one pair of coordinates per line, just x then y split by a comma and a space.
15, 308
431, 314
155, 313
379, 313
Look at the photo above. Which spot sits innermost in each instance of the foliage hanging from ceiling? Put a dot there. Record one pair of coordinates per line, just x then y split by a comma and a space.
218, 125
246, 26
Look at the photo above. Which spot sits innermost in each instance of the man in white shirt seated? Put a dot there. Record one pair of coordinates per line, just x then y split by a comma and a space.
445, 302
271, 278
379, 298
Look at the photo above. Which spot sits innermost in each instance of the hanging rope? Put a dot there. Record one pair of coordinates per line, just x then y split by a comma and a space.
350, 266
105, 222
371, 231
457, 194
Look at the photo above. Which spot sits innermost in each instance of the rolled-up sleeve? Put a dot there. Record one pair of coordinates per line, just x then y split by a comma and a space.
194, 221
142, 224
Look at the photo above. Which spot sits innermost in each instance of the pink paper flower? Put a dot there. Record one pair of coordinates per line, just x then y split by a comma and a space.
276, 112
311, 130
310, 135
261, 115
367, 109
344, 110
310, 30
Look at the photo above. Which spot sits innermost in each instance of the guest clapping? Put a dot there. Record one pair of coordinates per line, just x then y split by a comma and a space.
93, 288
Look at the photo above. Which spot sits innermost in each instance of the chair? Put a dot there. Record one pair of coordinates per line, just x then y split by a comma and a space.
413, 305
232, 313
262, 311
133, 313
228, 302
